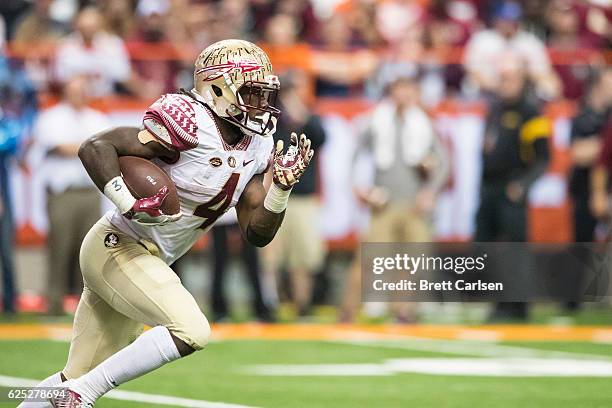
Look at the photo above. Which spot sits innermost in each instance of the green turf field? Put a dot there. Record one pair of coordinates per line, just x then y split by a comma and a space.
228, 372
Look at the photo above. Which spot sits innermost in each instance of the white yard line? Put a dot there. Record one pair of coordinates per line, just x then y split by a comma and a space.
133, 396
481, 366
342, 370
470, 348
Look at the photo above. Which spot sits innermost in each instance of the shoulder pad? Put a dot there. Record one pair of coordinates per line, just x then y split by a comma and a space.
172, 119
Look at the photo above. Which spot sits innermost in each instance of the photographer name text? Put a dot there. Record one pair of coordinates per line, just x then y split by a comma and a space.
446, 285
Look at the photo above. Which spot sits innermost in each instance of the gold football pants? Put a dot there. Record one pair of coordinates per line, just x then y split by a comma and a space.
126, 286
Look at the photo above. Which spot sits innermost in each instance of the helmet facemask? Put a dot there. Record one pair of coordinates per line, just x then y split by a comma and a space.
255, 109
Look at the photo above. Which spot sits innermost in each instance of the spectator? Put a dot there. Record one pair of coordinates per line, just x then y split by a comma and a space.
563, 21
411, 167
587, 131
361, 18
600, 178
36, 29
6, 248
487, 48
9, 132
394, 18
283, 47
37, 33
299, 245
17, 110
448, 29
409, 57
73, 202
92, 52
231, 19
301, 10
119, 16
154, 77
342, 65
534, 17
282, 30
595, 21
515, 154
191, 23
225, 232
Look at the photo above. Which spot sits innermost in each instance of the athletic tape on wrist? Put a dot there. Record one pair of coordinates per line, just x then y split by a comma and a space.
117, 191
276, 199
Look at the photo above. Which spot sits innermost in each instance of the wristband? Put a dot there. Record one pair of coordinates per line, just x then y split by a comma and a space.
117, 191
276, 199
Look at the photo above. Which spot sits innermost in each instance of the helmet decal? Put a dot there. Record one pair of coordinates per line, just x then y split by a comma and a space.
242, 65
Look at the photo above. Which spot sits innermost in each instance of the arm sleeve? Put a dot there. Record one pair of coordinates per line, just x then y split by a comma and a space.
535, 135
172, 120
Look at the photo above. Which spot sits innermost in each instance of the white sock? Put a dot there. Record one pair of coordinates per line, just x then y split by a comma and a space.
53, 380
151, 350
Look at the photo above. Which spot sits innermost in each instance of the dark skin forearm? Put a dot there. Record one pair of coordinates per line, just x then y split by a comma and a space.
258, 224
100, 153
263, 226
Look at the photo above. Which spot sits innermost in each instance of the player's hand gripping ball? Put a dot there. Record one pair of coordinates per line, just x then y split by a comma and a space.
148, 210
289, 167
156, 197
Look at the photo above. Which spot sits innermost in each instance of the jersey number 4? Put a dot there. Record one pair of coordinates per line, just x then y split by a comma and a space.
219, 204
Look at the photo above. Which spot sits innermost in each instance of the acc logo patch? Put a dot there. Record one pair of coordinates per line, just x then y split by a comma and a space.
111, 240
231, 161
215, 162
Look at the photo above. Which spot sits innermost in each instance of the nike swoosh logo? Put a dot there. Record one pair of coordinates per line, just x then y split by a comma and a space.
245, 162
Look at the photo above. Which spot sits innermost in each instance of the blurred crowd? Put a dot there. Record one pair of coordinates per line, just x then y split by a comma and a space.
414, 54
147, 47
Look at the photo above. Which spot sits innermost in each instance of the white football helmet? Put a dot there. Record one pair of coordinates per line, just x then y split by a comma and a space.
236, 80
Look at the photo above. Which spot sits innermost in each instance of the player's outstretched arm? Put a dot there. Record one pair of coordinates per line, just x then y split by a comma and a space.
261, 213
100, 157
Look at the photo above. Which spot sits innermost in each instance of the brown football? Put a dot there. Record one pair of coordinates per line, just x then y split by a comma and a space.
144, 179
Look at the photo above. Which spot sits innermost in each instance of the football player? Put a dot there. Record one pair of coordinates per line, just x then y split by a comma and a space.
215, 142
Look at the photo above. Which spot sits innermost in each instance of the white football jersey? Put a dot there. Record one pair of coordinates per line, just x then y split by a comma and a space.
209, 175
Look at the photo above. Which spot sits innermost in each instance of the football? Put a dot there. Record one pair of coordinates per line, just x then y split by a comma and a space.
144, 179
